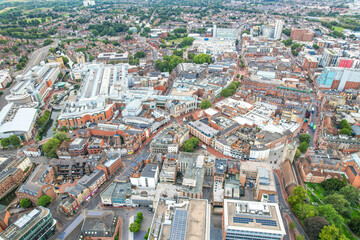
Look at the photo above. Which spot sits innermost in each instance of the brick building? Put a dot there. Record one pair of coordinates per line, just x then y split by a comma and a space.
302, 35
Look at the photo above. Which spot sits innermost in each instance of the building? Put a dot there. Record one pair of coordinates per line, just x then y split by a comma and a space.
70, 168
113, 56
226, 33
330, 58
148, 178
182, 219
38, 224
80, 56
37, 185
5, 78
352, 163
278, 29
17, 120
252, 220
109, 162
35, 84
78, 147
100, 225
170, 139
89, 3
13, 172
204, 132
302, 35
117, 195
339, 78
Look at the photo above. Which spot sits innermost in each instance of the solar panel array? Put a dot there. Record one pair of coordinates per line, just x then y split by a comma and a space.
266, 222
178, 230
243, 220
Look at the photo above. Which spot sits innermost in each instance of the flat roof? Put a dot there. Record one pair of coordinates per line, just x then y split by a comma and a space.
253, 216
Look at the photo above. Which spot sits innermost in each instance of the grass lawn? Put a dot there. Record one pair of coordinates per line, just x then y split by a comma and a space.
39, 19
317, 189
338, 29
176, 41
6, 9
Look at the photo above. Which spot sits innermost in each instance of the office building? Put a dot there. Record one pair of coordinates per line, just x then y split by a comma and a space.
148, 178
38, 224
5, 78
252, 220
278, 29
329, 58
302, 35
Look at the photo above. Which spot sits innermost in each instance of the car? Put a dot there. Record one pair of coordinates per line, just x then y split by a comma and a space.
150, 209
56, 187
63, 197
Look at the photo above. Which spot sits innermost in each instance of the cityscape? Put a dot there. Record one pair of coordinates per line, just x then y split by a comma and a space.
179, 120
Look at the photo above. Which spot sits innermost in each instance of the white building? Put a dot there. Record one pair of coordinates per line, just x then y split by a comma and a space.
4, 78
88, 3
278, 29
252, 220
257, 153
149, 177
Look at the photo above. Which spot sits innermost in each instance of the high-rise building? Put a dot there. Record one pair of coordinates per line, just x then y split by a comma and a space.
278, 29
38, 224
329, 58
252, 220
302, 35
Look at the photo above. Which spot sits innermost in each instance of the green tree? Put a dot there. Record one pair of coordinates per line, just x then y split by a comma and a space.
345, 131
332, 185
140, 54
304, 211
202, 58
226, 93
314, 225
303, 147
60, 76
300, 237
344, 124
5, 142
65, 60
305, 138
292, 225
316, 47
354, 224
340, 204
55, 97
49, 148
14, 140
351, 194
328, 211
25, 203
140, 216
44, 200
134, 227
205, 104
331, 233
297, 154
61, 136
298, 196
52, 50
146, 236
190, 144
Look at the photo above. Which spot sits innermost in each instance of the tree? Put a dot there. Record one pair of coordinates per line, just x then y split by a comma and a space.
128, 37
205, 104
140, 216
5, 142
65, 60
332, 185
202, 58
303, 147
351, 194
52, 50
304, 211
14, 140
140, 54
134, 227
300, 237
225, 93
297, 154
331, 233
328, 211
44, 200
305, 138
61, 136
345, 131
49, 148
25, 203
292, 225
340, 204
298, 196
55, 97
354, 225
190, 144
146, 236
314, 225
344, 124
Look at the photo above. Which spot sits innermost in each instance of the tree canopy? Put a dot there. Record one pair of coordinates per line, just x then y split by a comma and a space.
340, 204
25, 203
202, 58
50, 147
354, 225
190, 144
305, 138
351, 194
314, 225
303, 147
205, 104
44, 200
328, 211
331, 233
332, 185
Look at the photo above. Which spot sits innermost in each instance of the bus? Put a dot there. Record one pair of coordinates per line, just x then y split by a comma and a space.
314, 128
311, 125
